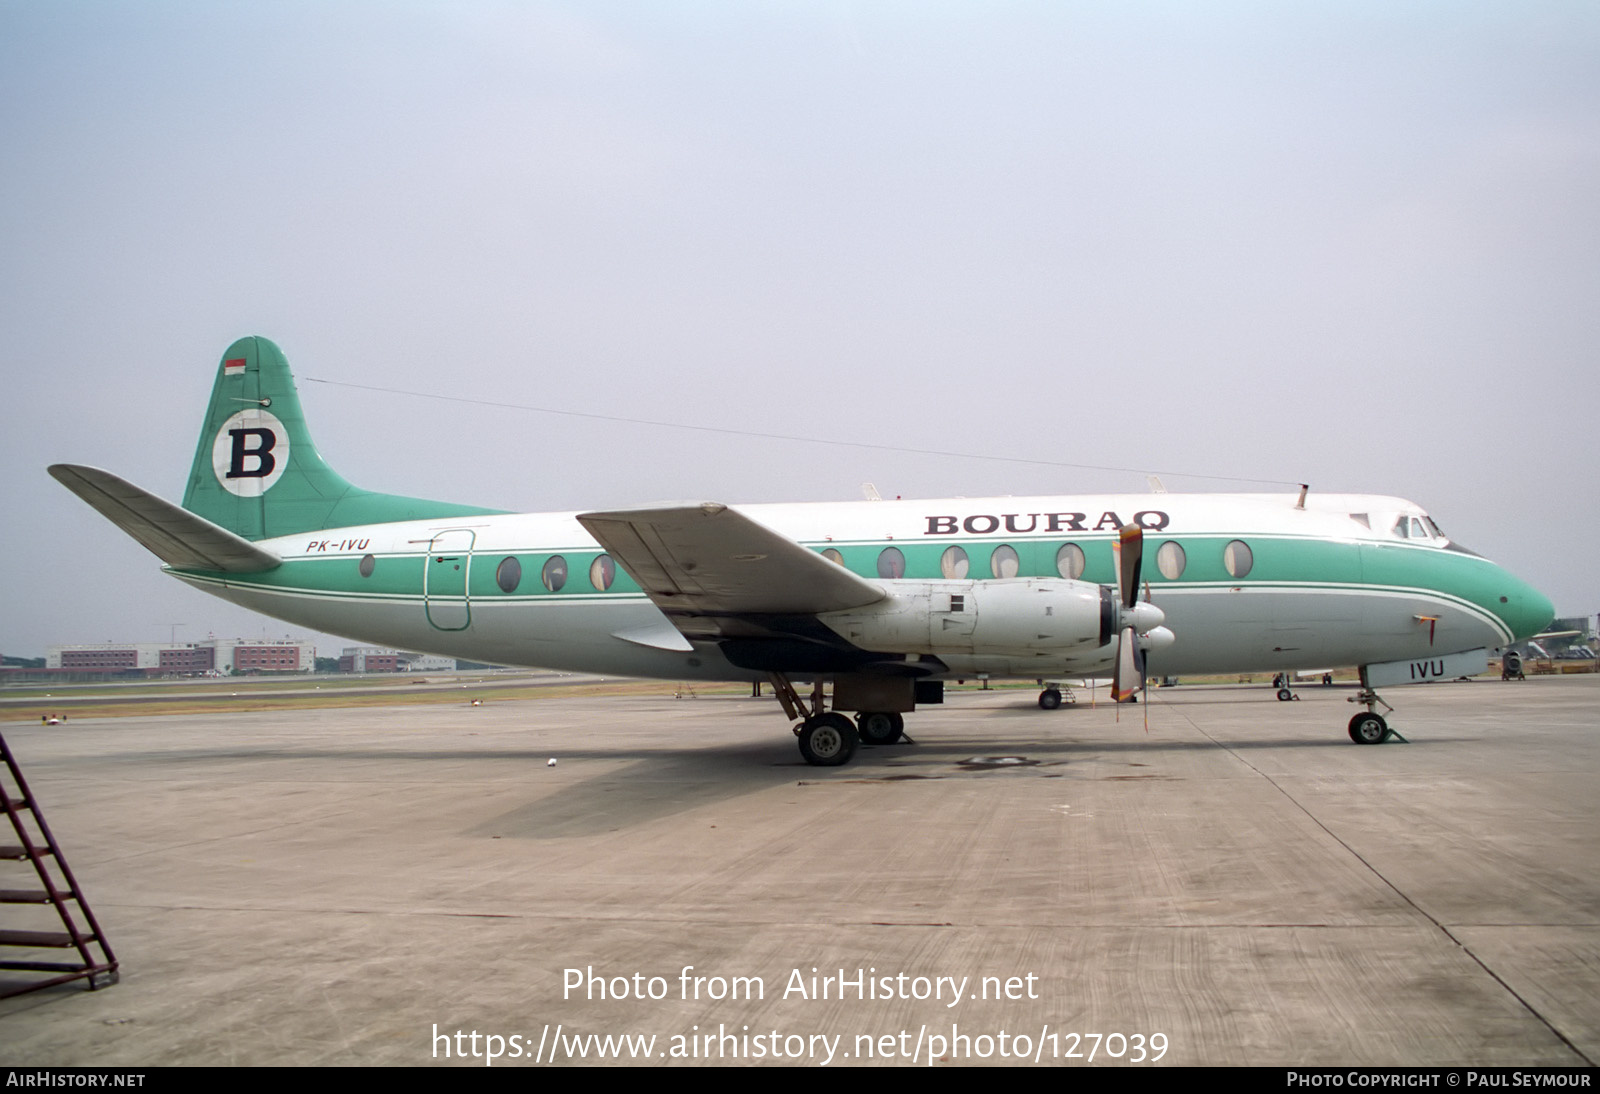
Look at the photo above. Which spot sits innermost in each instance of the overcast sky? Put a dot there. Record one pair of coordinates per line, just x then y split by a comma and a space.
1351, 244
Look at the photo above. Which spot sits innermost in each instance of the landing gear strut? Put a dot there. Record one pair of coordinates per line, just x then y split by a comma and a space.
827, 739
1369, 728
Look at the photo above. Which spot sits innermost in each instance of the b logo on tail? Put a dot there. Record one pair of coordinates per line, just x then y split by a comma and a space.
250, 453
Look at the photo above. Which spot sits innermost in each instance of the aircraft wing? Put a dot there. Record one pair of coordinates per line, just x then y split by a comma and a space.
714, 571
173, 534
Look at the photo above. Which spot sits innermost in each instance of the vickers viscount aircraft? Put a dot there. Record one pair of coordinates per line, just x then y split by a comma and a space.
884, 600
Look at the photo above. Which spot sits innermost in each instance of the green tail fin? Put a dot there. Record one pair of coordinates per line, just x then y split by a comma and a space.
257, 471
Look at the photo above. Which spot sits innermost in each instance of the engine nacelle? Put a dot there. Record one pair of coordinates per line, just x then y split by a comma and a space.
1022, 615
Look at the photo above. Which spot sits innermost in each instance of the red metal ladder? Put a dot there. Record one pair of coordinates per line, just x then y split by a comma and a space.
18, 803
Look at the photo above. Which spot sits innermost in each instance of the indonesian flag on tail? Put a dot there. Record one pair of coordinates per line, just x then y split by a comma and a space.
233, 366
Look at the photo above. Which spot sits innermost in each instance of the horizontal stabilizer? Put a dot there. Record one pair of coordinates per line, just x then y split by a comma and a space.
175, 535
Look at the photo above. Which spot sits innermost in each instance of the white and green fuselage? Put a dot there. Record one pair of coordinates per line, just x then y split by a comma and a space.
925, 589
1322, 588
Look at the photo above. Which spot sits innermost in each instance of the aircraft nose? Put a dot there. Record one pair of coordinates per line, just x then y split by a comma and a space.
1525, 609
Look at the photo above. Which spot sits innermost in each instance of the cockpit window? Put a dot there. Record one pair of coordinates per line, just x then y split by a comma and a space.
1417, 528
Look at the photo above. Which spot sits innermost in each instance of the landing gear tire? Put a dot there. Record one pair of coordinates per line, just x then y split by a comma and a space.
1369, 729
1284, 695
1049, 699
879, 727
827, 740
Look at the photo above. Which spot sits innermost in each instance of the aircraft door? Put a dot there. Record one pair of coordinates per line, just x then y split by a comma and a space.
444, 580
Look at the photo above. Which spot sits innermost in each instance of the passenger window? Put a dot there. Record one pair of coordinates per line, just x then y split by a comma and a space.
554, 574
1171, 560
602, 572
508, 575
1238, 558
1070, 562
832, 555
1004, 562
891, 563
954, 562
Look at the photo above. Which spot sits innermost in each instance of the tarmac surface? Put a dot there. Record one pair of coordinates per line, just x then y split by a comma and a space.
1239, 885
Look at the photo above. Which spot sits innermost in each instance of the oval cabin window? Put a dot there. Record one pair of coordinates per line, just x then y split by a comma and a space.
1171, 560
1238, 558
554, 574
891, 563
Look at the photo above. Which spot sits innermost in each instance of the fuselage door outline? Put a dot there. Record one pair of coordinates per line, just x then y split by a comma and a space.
444, 579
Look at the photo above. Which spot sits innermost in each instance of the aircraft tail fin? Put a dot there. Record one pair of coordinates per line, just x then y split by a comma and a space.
258, 473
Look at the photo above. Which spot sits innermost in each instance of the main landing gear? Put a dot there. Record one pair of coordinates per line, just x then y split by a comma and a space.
1052, 697
880, 727
829, 738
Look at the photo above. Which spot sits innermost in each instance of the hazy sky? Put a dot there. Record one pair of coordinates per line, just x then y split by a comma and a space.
1352, 244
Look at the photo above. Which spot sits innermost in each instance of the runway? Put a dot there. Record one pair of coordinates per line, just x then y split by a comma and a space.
1239, 884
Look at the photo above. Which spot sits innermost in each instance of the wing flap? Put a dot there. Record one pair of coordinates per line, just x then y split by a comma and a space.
173, 534
713, 562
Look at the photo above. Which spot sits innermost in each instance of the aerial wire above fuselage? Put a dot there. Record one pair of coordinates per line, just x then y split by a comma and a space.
766, 435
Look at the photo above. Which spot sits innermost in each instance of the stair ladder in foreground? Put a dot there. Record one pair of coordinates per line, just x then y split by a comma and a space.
17, 802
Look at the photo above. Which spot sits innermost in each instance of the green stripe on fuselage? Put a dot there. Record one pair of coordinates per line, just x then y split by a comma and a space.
1278, 561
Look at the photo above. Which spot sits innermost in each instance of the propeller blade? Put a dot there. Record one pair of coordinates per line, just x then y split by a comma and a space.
1128, 675
1128, 562
1144, 685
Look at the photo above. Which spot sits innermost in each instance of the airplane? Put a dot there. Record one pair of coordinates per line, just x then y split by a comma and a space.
882, 600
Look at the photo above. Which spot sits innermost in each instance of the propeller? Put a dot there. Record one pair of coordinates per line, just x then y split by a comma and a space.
1138, 622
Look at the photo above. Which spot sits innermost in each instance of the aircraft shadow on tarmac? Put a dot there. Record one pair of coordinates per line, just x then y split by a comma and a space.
640, 786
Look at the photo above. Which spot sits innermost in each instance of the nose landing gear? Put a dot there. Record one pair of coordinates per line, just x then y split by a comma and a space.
1370, 728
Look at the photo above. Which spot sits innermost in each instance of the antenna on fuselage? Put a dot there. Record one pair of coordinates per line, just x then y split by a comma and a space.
1305, 488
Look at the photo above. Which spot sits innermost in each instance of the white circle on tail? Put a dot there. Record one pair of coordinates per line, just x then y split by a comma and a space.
250, 453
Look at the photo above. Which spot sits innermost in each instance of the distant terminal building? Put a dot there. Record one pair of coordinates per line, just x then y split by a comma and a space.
370, 659
367, 659
213, 655
428, 662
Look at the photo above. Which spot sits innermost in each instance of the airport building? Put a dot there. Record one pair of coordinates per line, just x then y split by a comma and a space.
213, 655
370, 659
